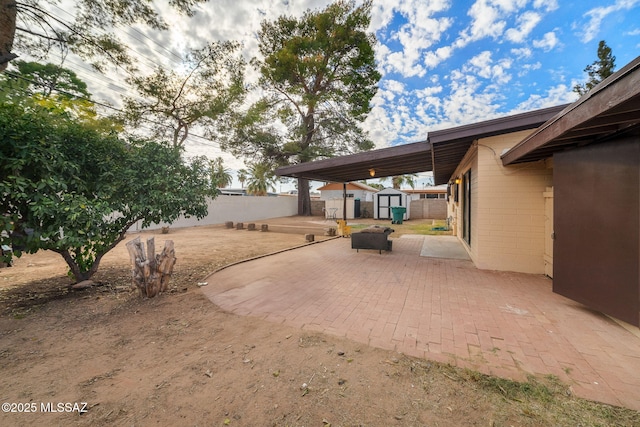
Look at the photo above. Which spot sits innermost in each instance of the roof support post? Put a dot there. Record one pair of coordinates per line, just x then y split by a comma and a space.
344, 202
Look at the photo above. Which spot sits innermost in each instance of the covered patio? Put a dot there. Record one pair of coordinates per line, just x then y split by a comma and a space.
505, 324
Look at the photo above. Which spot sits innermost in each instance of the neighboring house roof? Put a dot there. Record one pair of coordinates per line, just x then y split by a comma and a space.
350, 186
428, 190
606, 111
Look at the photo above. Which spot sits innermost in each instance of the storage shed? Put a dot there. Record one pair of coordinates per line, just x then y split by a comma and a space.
385, 199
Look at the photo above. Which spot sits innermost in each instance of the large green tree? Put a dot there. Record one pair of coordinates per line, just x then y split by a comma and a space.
31, 78
318, 75
599, 70
76, 190
56, 88
206, 92
30, 26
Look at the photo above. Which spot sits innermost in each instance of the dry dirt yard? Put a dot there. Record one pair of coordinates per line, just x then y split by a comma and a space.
179, 360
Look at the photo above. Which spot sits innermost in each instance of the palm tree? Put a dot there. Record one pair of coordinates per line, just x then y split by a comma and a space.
242, 176
220, 177
398, 181
261, 178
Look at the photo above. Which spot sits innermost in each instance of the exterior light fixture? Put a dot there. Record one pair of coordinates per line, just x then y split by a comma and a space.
457, 181
372, 172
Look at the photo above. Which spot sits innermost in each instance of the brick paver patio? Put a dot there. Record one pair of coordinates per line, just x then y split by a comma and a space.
505, 324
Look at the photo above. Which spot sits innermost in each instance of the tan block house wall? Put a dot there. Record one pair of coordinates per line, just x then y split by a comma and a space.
507, 209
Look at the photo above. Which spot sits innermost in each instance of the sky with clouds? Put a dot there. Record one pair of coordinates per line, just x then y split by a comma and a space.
444, 63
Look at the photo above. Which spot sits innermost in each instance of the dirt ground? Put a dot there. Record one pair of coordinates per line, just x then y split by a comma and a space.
117, 359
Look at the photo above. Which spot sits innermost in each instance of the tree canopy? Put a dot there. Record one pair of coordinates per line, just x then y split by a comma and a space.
33, 78
31, 26
57, 88
599, 70
206, 94
319, 75
76, 190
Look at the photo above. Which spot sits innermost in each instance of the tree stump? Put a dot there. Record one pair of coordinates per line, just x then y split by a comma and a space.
251, 226
264, 227
228, 224
151, 272
239, 226
309, 237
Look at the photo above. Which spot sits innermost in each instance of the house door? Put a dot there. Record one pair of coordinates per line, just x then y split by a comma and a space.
548, 232
385, 202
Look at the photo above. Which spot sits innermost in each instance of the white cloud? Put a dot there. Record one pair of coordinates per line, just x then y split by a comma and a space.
428, 92
433, 59
489, 20
547, 42
598, 14
526, 23
547, 5
483, 66
521, 53
394, 86
556, 95
389, 89
524, 69
486, 21
420, 32
466, 102
404, 63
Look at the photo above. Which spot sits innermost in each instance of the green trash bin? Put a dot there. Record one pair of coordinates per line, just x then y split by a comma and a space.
398, 213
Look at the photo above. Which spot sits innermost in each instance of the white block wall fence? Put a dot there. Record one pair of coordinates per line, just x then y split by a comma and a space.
236, 209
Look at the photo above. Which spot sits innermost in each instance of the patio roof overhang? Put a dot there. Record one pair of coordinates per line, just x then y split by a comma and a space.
398, 160
610, 109
441, 153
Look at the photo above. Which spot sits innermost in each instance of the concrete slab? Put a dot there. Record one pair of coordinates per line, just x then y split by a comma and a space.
443, 247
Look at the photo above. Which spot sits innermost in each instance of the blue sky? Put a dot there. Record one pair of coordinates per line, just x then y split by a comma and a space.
444, 63
454, 63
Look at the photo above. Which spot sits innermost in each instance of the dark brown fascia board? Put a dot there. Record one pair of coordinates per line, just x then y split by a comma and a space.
468, 133
353, 159
607, 95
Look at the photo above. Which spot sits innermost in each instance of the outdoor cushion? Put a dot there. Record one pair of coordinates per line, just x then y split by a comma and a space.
377, 229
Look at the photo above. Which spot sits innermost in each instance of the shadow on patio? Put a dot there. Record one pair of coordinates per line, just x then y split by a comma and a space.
504, 324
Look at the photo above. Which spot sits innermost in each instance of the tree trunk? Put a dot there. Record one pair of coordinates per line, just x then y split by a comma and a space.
151, 272
8, 10
74, 267
304, 198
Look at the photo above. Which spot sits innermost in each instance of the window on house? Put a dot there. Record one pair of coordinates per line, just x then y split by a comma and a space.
466, 207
